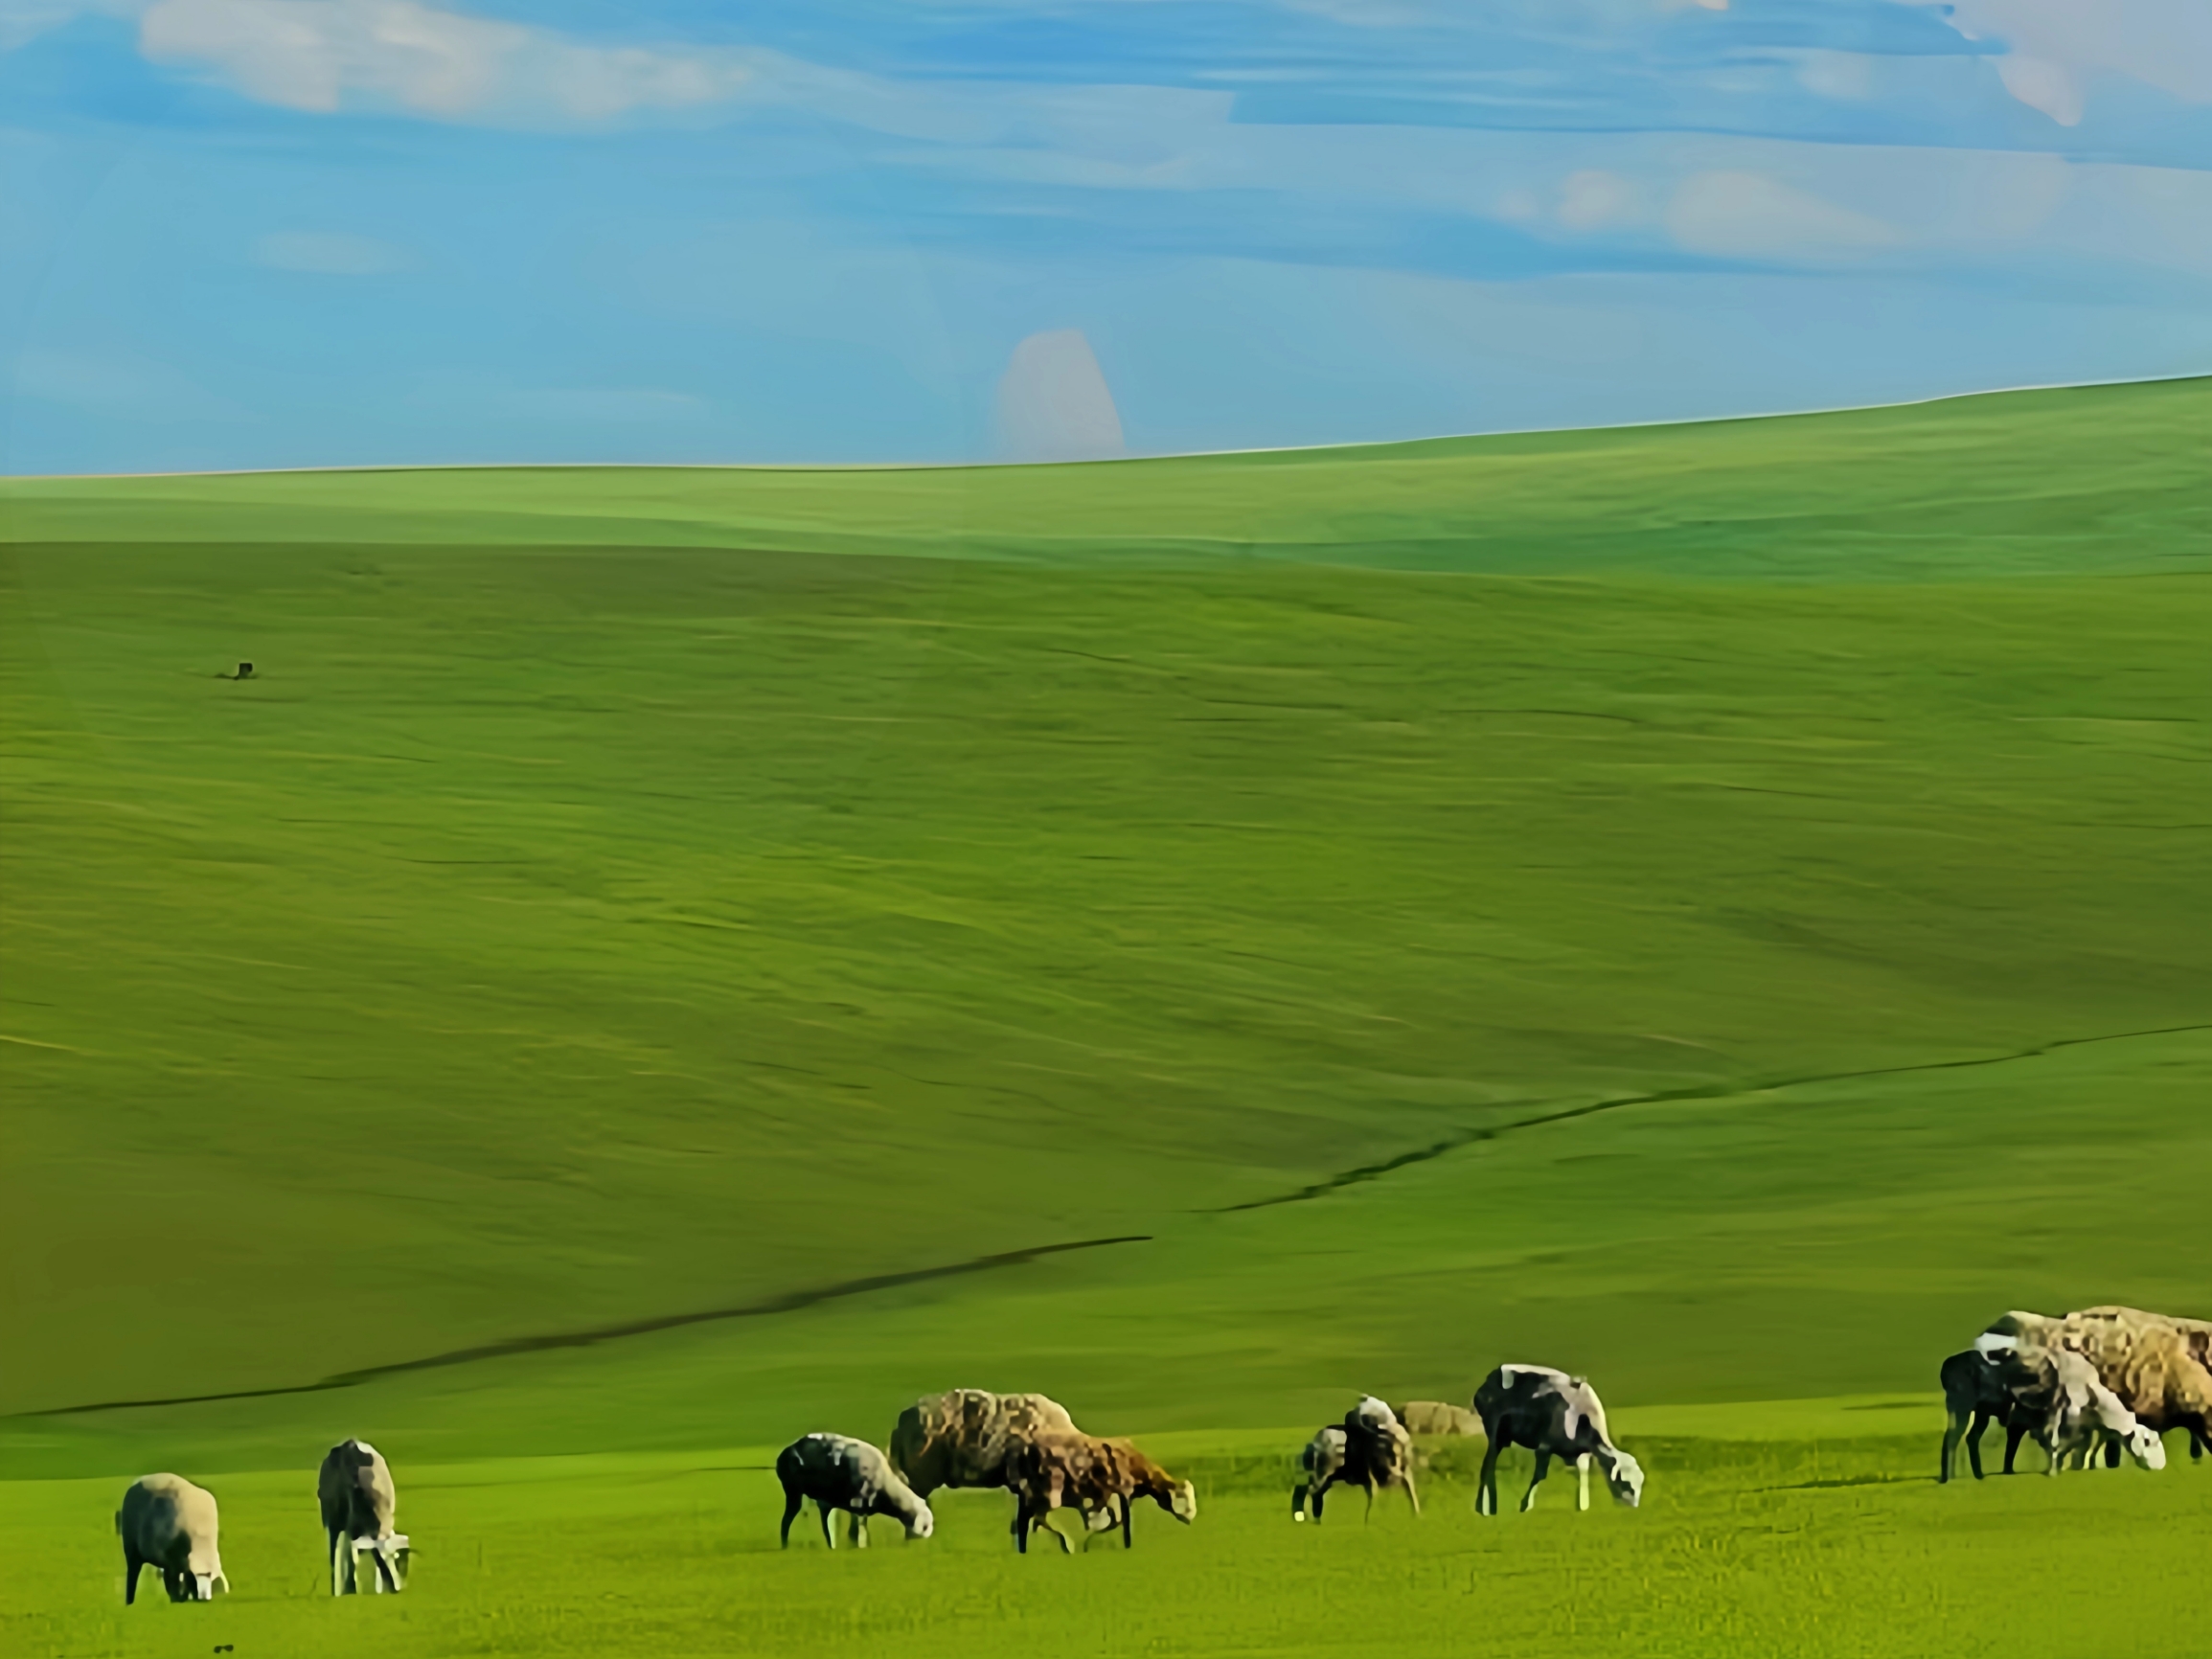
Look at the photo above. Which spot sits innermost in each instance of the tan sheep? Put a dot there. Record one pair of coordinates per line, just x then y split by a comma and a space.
169, 1524
1434, 1417
961, 1438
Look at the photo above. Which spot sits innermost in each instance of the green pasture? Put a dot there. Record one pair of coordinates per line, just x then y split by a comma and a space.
647, 966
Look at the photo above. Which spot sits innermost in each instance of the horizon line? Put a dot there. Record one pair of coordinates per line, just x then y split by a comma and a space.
1092, 460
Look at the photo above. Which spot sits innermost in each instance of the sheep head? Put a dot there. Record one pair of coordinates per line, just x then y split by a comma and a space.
1625, 1479
922, 1522
1183, 1502
2144, 1446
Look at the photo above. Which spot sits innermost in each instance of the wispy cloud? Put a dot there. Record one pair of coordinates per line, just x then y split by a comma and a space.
324, 55
2056, 47
327, 254
1735, 215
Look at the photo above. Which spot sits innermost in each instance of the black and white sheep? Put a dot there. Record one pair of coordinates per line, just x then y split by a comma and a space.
1369, 1450
167, 1523
1554, 1415
838, 1472
359, 1502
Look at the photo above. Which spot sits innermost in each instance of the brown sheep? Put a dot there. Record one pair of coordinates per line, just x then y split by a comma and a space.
1065, 1469
961, 1438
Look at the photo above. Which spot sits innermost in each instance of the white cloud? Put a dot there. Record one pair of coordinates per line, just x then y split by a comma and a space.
1054, 403
327, 254
1735, 215
2054, 46
323, 56
1846, 77
1594, 198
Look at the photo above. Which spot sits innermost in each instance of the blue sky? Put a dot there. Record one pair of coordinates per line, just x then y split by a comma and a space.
248, 233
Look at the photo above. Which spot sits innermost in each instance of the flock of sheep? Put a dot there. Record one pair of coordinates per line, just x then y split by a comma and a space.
2102, 1382
2108, 1380
1029, 1444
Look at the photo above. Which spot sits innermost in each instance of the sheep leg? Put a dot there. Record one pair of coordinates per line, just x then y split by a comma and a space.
793, 1503
1411, 1496
1582, 1482
1486, 1493
2112, 1454
2014, 1433
829, 1533
1543, 1464
1298, 1497
1982, 1421
1368, 1514
132, 1565
857, 1532
1954, 1430
385, 1580
1128, 1542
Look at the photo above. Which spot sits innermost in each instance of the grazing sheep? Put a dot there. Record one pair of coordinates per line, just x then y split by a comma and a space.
2057, 1401
1065, 1468
841, 1473
2084, 1415
358, 1500
1370, 1449
961, 1438
1554, 1415
2159, 1366
1434, 1417
1976, 1391
172, 1524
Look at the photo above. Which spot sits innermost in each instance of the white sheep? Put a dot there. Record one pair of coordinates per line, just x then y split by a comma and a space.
1554, 1415
2084, 1414
171, 1524
839, 1472
359, 1502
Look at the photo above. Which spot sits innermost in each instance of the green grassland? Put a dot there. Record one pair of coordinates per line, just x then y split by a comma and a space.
1720, 907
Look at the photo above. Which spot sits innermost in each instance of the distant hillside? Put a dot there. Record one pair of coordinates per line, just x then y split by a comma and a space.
2114, 478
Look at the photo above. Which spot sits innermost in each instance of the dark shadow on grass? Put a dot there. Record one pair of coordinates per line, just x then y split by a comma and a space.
791, 1301
1853, 1480
1661, 1097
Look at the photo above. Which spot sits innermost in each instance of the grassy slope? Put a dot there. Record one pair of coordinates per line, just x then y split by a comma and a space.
2092, 479
556, 935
